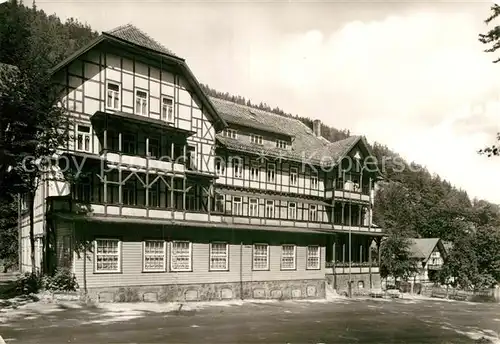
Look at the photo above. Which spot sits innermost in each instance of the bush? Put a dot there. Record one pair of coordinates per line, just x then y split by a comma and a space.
63, 280
29, 283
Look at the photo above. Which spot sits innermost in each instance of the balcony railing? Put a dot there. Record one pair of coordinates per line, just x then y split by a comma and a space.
350, 186
373, 263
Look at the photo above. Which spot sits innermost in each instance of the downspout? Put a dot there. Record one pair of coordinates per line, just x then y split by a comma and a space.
241, 270
19, 234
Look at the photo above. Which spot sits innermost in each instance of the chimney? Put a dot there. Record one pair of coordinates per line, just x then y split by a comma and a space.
317, 127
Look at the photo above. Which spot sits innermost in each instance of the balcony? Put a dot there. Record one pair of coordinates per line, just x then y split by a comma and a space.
349, 190
119, 213
143, 164
434, 266
355, 267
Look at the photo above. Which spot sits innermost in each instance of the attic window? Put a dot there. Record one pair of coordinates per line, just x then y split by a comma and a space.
281, 144
256, 139
231, 133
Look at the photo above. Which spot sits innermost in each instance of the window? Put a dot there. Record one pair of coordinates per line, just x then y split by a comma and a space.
141, 103
237, 168
293, 175
270, 209
253, 207
288, 257
312, 257
292, 211
128, 193
231, 133
313, 214
281, 144
128, 144
154, 255
153, 196
271, 173
220, 167
154, 148
107, 255
260, 257
254, 172
83, 189
219, 203
219, 257
257, 139
237, 209
167, 109
192, 158
65, 253
314, 182
113, 100
83, 138
180, 256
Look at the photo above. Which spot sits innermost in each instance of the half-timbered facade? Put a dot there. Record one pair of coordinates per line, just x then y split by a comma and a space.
167, 194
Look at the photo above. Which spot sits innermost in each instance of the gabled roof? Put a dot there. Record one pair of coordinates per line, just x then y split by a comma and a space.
132, 37
422, 248
132, 34
305, 145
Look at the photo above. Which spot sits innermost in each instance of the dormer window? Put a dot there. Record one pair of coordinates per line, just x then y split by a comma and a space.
231, 133
281, 144
141, 103
257, 139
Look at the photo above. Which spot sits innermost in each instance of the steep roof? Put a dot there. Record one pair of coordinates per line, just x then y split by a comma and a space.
127, 35
132, 34
305, 145
422, 248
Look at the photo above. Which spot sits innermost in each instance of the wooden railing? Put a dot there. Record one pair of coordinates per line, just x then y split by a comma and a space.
353, 264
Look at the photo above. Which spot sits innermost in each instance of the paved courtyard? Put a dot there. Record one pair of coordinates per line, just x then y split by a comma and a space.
335, 321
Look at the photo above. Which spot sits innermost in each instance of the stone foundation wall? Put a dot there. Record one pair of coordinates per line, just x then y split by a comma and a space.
360, 282
300, 289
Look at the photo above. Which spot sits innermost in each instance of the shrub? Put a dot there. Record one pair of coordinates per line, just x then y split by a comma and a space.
29, 283
63, 280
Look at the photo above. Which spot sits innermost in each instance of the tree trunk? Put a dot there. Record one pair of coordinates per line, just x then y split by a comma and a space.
85, 270
31, 200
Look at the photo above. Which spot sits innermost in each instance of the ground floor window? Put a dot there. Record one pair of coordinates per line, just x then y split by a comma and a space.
180, 256
154, 255
260, 257
313, 258
288, 257
219, 258
107, 255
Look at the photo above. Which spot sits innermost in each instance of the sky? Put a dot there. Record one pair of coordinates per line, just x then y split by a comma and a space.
410, 75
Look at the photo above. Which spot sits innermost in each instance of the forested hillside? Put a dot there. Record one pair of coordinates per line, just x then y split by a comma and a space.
410, 201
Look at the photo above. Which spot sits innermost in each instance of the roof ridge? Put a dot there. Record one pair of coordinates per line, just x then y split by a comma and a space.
250, 108
148, 41
118, 28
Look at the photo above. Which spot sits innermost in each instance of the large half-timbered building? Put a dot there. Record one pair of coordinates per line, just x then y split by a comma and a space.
167, 194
